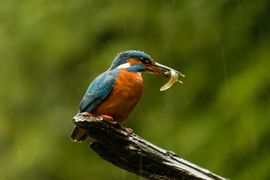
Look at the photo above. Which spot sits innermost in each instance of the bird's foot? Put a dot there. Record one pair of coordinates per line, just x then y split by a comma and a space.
107, 117
129, 130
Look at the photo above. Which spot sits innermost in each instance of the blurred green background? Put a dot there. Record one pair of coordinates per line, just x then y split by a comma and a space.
51, 50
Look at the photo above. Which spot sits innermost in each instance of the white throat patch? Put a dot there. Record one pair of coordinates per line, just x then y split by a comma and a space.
126, 65
139, 74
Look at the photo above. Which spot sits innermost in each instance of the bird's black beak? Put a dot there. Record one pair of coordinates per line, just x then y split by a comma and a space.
161, 70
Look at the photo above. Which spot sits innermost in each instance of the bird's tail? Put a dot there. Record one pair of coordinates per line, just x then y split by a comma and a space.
78, 134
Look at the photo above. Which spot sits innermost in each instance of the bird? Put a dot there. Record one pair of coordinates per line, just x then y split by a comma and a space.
113, 94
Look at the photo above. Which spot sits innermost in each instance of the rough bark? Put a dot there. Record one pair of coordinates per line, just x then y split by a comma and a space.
129, 151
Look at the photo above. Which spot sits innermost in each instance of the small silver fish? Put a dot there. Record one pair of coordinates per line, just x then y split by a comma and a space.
174, 75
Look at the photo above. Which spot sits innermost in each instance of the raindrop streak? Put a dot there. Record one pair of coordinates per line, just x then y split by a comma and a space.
142, 113
225, 71
68, 173
124, 174
240, 12
76, 88
14, 65
240, 52
125, 27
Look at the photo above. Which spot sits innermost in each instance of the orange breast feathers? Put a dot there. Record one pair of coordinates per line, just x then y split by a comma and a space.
123, 98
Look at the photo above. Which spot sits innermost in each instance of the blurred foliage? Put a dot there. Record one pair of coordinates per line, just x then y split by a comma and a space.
51, 50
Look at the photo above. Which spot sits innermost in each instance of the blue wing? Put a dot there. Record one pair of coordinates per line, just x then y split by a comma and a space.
98, 90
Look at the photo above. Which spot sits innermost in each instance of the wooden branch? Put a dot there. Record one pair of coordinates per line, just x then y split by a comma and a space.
129, 151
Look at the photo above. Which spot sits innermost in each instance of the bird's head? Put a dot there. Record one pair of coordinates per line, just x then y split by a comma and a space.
138, 61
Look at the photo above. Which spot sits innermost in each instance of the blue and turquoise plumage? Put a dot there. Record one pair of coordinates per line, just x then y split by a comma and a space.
98, 90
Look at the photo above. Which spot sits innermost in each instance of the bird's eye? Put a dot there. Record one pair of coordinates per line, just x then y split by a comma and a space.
145, 60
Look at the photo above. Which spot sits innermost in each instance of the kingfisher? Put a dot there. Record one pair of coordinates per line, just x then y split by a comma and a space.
114, 94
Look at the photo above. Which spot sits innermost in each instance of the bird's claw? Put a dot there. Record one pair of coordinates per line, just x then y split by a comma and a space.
106, 117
